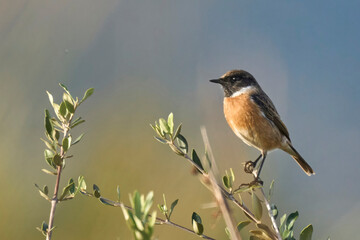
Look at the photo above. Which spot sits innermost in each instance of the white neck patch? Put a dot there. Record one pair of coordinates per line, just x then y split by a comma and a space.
242, 91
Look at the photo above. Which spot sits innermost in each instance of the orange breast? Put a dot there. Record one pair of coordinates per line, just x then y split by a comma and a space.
249, 123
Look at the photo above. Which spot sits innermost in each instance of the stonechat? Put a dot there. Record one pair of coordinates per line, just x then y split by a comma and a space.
253, 118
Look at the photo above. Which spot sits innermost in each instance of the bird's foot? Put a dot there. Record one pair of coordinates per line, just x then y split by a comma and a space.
257, 181
249, 167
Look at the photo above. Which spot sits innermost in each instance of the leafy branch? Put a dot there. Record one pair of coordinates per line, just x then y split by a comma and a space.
138, 218
179, 145
57, 150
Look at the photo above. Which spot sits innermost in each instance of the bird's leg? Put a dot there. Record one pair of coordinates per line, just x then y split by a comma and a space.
250, 165
261, 164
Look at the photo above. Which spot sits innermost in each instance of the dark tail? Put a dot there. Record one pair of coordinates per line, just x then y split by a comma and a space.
298, 158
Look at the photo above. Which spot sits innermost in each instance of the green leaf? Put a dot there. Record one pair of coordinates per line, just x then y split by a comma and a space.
267, 230
66, 143
227, 233
291, 220
136, 203
51, 99
62, 109
306, 233
46, 190
182, 143
196, 159
69, 106
176, 150
64, 87
125, 212
242, 224
170, 123
164, 126
152, 219
49, 155
48, 125
42, 192
66, 190
96, 191
243, 188
232, 177
56, 135
107, 202
226, 183
195, 217
81, 185
72, 189
118, 193
77, 123
43, 229
197, 224
57, 160
177, 132
256, 203
259, 234
153, 127
282, 223
77, 139
160, 140
48, 145
173, 204
87, 94
286, 234
164, 206
271, 189
274, 210
138, 223
56, 110
48, 172
146, 205
161, 208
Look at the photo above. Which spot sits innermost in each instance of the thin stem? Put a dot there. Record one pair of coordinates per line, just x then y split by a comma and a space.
168, 222
267, 204
273, 221
54, 199
223, 205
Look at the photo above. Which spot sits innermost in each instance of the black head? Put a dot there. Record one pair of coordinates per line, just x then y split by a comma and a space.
235, 80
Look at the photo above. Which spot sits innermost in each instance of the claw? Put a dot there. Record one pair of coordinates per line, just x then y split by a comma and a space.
249, 167
257, 181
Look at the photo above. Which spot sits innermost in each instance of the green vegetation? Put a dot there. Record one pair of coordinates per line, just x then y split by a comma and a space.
140, 215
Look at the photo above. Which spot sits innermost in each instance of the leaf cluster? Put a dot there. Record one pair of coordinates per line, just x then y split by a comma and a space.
57, 148
165, 210
138, 219
176, 141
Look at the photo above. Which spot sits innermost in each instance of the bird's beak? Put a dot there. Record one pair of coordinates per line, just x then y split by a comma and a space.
219, 80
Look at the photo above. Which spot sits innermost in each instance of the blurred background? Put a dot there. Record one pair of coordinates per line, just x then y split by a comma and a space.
148, 58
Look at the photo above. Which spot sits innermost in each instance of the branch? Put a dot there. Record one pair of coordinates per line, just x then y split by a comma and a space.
54, 200
229, 220
160, 220
273, 221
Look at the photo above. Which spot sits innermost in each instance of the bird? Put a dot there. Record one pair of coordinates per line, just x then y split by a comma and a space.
253, 117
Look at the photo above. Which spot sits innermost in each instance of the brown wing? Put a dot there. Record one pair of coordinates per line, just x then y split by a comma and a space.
268, 108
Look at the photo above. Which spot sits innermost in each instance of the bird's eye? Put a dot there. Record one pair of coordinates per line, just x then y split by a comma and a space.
233, 79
